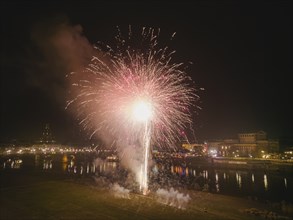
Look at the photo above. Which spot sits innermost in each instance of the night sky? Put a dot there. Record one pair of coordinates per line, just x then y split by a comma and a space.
241, 54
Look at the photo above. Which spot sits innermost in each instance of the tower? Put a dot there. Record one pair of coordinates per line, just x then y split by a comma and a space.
47, 137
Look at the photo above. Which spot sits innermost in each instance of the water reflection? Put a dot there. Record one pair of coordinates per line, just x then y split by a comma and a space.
257, 183
80, 168
47, 164
65, 158
12, 163
265, 180
238, 180
254, 183
93, 167
37, 160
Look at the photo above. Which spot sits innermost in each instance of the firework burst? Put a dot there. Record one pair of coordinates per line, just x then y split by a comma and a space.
129, 91
113, 82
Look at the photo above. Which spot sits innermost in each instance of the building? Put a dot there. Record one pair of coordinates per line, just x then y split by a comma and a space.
247, 144
47, 137
199, 149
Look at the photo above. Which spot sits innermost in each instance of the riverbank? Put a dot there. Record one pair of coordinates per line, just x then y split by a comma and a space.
253, 164
240, 163
41, 196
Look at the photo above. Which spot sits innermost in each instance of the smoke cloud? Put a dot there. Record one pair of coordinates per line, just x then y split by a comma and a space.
120, 192
57, 48
131, 156
173, 198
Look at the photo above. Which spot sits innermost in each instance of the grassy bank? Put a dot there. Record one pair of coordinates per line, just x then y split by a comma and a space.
35, 196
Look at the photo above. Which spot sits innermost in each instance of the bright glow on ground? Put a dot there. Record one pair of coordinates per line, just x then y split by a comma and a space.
142, 111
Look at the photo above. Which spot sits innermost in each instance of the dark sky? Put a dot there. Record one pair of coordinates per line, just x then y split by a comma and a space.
241, 54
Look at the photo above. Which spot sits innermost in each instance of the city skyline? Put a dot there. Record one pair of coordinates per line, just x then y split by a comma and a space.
241, 56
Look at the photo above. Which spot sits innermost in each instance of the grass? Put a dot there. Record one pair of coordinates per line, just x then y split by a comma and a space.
43, 197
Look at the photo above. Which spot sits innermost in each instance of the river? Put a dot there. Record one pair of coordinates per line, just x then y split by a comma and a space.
259, 184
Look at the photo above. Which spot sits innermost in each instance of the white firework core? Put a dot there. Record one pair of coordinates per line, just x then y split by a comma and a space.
142, 111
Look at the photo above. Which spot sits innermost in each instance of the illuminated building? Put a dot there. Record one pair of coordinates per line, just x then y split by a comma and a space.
47, 135
247, 144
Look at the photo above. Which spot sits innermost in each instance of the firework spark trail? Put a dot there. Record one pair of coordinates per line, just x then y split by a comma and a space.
146, 142
104, 94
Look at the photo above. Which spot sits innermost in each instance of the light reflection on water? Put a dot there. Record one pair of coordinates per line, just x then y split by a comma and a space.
221, 175
270, 185
47, 165
265, 181
238, 180
258, 183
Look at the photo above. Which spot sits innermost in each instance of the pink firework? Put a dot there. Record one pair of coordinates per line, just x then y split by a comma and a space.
126, 82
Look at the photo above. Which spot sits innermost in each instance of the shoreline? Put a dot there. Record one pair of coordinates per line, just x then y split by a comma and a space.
43, 197
239, 163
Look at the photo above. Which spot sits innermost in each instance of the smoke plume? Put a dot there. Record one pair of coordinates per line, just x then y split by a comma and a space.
173, 198
57, 47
